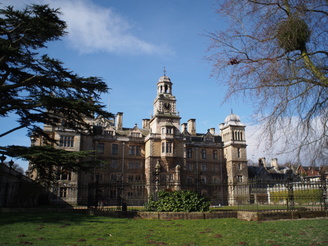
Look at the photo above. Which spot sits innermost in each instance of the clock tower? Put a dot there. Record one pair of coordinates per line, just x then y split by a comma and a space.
164, 106
164, 145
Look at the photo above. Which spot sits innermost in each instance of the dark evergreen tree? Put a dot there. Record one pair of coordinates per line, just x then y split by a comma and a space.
37, 88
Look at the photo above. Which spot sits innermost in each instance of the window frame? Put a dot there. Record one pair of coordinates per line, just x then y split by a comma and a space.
189, 152
100, 148
114, 149
66, 141
203, 153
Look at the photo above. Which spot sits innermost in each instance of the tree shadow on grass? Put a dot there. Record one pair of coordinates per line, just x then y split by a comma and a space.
52, 218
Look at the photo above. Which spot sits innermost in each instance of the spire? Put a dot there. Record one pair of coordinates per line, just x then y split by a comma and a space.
164, 71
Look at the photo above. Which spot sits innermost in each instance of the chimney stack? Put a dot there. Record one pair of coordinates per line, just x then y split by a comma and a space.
192, 126
119, 121
145, 123
262, 162
183, 127
274, 163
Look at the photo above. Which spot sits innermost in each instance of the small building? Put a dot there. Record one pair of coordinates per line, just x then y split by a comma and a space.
312, 173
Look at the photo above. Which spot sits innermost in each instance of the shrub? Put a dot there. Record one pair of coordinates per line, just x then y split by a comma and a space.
300, 196
178, 201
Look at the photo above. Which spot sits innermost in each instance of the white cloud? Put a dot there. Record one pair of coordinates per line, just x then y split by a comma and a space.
289, 135
258, 147
92, 28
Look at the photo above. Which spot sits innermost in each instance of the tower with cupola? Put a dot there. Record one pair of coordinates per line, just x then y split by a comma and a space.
233, 137
164, 106
163, 147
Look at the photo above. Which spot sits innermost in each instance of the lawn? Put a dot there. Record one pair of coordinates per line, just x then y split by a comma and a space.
77, 229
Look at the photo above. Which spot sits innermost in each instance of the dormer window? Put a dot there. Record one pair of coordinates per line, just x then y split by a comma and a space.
135, 134
167, 130
108, 133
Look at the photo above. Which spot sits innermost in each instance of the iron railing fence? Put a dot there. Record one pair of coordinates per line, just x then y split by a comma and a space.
255, 195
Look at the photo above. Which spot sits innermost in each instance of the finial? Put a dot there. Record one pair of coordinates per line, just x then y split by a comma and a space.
164, 71
231, 111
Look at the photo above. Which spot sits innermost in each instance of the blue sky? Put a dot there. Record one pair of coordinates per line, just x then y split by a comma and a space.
128, 43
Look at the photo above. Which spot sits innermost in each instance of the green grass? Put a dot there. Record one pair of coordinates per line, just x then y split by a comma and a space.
77, 229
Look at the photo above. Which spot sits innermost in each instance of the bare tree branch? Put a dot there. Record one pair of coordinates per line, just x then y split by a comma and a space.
276, 51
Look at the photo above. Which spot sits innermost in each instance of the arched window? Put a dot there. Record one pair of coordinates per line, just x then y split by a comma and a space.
166, 89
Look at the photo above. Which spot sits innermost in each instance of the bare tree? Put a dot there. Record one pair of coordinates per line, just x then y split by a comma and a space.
274, 53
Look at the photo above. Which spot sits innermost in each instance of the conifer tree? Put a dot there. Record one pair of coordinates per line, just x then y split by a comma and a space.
38, 89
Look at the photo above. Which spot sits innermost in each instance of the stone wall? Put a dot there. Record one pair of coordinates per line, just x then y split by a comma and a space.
17, 190
278, 215
242, 215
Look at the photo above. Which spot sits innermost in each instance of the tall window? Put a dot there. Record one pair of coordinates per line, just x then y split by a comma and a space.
130, 178
240, 178
63, 192
100, 148
138, 177
63, 174
138, 150
134, 164
203, 153
114, 149
215, 154
238, 150
166, 147
134, 150
189, 152
131, 150
204, 167
130, 194
66, 141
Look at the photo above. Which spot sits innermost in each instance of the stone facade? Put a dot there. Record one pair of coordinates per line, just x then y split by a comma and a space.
161, 154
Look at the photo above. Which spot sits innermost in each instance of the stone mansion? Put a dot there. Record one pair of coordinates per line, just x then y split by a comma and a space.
161, 154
